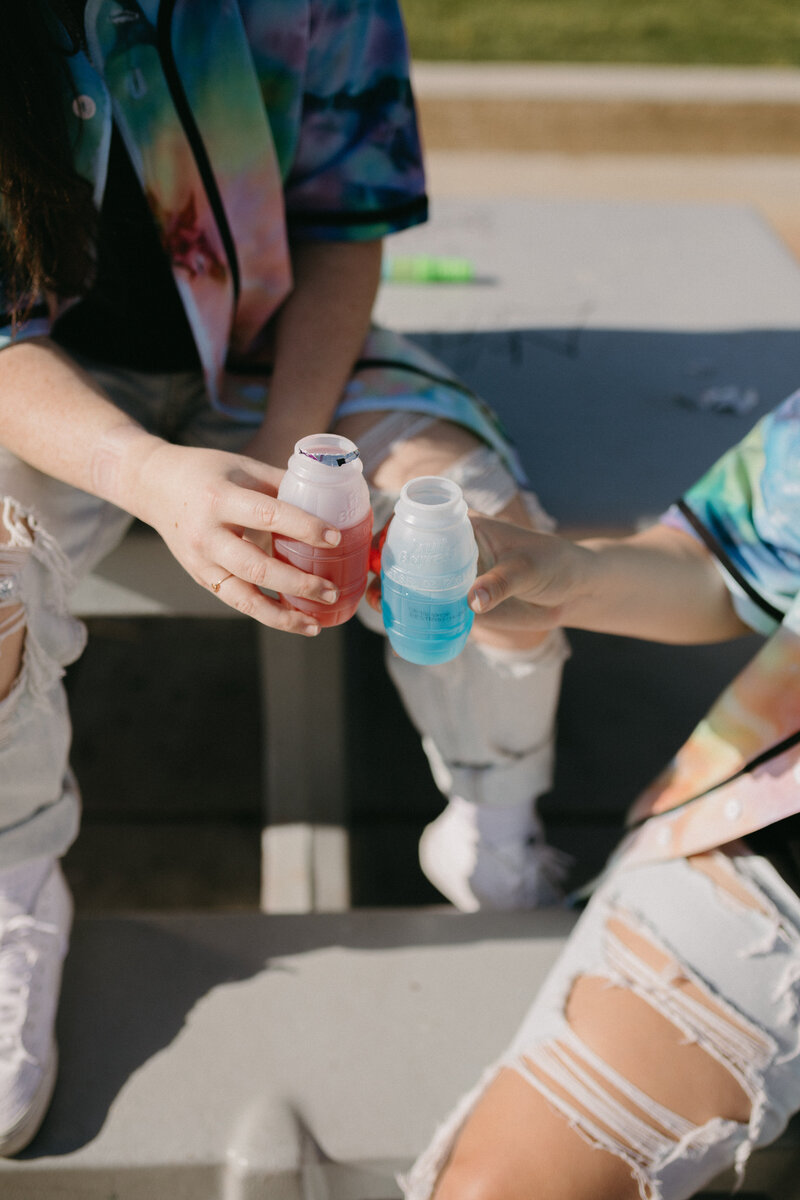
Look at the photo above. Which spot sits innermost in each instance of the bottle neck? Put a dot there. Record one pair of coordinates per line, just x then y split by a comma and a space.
326, 459
432, 503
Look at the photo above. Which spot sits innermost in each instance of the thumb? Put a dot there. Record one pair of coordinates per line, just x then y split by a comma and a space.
488, 591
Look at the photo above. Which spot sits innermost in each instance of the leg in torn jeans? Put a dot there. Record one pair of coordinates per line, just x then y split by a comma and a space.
661, 1050
46, 530
486, 718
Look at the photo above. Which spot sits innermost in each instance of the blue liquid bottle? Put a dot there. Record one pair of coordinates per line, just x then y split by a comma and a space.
428, 565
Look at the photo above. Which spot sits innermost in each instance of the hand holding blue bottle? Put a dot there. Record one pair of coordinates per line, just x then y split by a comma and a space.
428, 564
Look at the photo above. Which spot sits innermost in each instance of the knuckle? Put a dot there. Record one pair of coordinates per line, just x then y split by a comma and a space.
246, 605
284, 620
258, 573
267, 512
213, 500
307, 587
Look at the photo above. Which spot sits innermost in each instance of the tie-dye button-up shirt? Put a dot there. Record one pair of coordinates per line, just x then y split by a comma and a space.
248, 122
740, 769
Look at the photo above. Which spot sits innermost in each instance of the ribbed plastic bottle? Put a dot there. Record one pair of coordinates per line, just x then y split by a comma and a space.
428, 564
325, 477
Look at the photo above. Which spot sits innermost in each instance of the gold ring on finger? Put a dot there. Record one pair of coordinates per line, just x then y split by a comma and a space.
216, 586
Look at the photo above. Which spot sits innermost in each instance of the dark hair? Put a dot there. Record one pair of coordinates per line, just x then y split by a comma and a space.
48, 214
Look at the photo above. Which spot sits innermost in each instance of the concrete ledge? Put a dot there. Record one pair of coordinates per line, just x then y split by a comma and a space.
141, 578
301, 683
232, 1057
609, 109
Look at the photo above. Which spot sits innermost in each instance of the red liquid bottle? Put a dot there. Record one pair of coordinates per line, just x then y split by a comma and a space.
325, 477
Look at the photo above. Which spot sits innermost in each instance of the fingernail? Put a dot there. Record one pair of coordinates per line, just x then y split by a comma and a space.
479, 599
330, 596
311, 630
333, 537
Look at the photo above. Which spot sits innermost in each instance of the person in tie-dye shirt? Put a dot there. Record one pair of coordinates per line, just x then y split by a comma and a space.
194, 196
663, 1047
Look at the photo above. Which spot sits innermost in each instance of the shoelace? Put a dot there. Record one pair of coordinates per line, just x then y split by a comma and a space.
18, 960
544, 870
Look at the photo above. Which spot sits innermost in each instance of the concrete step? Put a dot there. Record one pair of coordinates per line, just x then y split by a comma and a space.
252, 1057
221, 1057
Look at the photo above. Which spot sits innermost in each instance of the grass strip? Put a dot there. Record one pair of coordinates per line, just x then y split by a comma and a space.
680, 32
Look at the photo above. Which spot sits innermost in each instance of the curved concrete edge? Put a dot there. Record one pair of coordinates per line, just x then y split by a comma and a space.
608, 81
541, 107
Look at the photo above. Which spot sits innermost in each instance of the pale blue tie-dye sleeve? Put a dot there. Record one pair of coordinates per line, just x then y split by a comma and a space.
747, 508
357, 170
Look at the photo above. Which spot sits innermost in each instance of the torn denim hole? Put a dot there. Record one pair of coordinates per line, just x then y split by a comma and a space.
609, 1111
13, 554
719, 869
715, 1025
720, 1142
12, 614
712, 1023
483, 477
378, 442
584, 1096
12, 620
738, 890
53, 636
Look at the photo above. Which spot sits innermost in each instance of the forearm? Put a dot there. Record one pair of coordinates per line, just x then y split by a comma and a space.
54, 417
319, 333
660, 585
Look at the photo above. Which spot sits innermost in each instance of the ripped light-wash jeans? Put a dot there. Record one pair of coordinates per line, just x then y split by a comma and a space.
712, 944
489, 742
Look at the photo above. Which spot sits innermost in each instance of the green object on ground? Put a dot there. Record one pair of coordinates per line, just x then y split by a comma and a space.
428, 268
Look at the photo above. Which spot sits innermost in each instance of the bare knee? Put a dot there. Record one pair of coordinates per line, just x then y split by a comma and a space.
11, 651
656, 1054
516, 1146
429, 452
469, 1181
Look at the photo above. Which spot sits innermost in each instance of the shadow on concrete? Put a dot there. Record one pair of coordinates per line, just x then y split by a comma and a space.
131, 982
128, 988
610, 423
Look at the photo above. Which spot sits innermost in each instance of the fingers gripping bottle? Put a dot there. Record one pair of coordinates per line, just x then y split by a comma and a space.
325, 477
428, 564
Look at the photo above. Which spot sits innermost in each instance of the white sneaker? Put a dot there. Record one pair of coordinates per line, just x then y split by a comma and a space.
483, 857
35, 918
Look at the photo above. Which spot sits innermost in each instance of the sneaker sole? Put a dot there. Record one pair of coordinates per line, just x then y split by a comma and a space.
25, 1130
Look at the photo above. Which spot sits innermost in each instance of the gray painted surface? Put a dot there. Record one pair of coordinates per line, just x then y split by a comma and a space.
597, 329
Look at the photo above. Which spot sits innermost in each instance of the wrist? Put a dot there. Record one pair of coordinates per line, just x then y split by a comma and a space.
586, 582
118, 466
